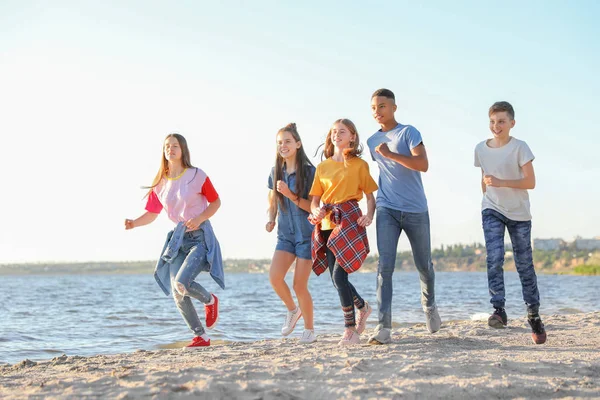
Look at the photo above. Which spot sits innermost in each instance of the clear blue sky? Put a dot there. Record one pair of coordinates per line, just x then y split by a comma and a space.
88, 90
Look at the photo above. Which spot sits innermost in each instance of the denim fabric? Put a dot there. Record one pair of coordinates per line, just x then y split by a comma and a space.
171, 249
349, 297
299, 249
494, 225
390, 224
183, 269
174, 243
293, 229
214, 257
161, 270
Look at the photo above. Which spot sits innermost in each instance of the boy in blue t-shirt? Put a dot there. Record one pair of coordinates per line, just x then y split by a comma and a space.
400, 155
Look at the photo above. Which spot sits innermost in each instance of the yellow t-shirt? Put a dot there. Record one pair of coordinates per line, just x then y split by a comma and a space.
337, 182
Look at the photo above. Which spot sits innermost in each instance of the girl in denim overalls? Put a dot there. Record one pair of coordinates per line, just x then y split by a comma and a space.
289, 181
189, 198
339, 241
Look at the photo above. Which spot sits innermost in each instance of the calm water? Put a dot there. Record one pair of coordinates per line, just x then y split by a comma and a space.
45, 316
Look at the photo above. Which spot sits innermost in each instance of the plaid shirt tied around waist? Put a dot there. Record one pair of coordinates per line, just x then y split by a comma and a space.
348, 241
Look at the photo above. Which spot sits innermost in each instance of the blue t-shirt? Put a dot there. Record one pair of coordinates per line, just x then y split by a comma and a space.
400, 188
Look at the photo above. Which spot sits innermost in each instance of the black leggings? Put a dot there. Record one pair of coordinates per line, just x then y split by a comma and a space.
349, 297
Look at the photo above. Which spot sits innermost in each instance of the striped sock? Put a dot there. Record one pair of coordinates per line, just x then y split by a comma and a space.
349, 318
359, 303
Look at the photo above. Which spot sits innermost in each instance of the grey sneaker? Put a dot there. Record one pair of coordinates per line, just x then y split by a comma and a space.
381, 336
432, 319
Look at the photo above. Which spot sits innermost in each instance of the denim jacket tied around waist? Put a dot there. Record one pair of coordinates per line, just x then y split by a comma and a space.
171, 248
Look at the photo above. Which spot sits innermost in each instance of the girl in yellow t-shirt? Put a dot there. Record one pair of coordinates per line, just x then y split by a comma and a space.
339, 241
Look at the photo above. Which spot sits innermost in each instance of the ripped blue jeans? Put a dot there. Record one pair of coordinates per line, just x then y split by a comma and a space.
494, 226
184, 268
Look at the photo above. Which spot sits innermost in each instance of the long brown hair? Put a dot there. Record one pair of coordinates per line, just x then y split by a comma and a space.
163, 170
302, 162
355, 149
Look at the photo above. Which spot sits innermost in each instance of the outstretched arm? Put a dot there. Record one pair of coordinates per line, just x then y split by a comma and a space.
144, 219
417, 161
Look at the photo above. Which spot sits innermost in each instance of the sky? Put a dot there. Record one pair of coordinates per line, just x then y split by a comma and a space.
89, 90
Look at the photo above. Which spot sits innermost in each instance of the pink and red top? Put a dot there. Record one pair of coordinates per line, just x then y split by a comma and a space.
183, 197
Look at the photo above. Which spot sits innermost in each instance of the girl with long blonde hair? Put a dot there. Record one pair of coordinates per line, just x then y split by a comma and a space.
339, 240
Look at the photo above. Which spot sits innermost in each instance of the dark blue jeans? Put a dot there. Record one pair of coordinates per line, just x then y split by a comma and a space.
494, 225
390, 223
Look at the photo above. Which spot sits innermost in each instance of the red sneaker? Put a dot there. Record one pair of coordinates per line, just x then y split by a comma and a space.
198, 342
212, 313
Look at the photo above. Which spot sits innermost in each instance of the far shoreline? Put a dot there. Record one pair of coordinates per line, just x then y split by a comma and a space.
455, 258
29, 270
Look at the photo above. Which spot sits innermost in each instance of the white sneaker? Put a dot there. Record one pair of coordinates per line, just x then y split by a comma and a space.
308, 336
432, 319
290, 321
350, 337
361, 317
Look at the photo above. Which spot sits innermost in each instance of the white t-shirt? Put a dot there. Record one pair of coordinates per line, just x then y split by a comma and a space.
505, 163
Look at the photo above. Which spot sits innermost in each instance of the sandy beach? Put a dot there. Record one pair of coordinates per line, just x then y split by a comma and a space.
465, 359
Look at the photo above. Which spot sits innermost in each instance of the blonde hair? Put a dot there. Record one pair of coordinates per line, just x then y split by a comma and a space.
355, 149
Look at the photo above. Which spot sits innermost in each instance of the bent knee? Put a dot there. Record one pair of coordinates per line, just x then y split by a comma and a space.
181, 289
276, 279
300, 288
339, 282
333, 282
385, 273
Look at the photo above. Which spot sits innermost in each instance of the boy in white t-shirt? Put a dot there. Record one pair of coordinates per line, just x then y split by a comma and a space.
507, 172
